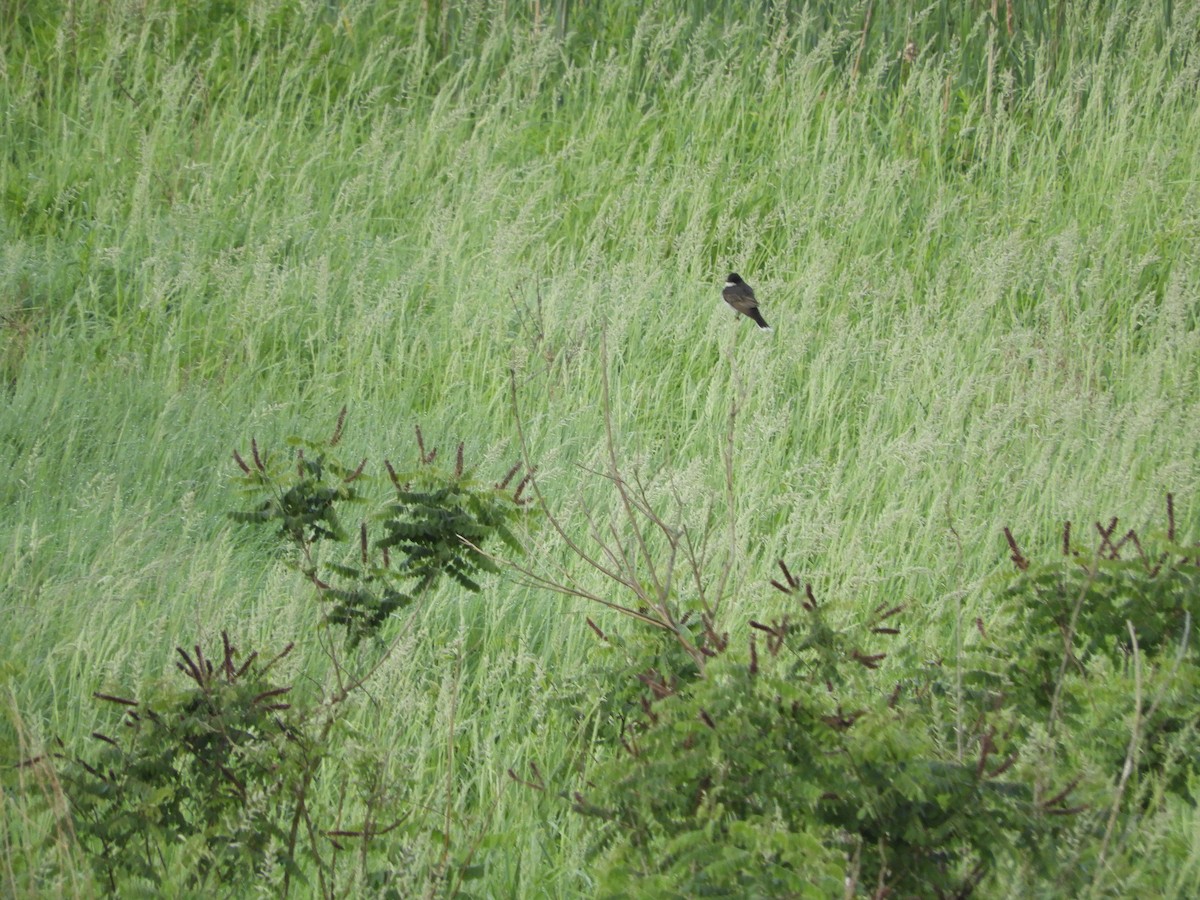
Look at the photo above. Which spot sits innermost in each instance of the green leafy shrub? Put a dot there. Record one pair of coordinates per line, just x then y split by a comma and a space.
212, 774
779, 773
1105, 639
438, 524
1084, 605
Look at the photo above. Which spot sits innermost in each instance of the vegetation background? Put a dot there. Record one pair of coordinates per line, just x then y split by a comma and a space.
975, 228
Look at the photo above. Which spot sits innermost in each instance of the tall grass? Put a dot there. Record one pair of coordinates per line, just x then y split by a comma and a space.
980, 262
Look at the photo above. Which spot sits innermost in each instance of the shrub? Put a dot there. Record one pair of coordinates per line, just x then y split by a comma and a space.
213, 774
439, 523
777, 773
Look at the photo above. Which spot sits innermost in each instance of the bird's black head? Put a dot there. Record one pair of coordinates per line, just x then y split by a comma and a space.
734, 278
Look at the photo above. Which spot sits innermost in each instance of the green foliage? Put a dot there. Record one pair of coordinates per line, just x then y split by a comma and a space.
440, 531
439, 522
214, 774
1094, 629
1087, 603
302, 498
220, 784
812, 748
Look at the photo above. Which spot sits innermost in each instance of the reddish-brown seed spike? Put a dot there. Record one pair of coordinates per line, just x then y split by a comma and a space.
237, 457
779, 587
707, 720
1106, 534
246, 665
879, 630
96, 773
1066, 547
761, 627
188, 667
871, 661
892, 700
985, 749
1061, 795
501, 485
1004, 766
812, 600
1170, 517
529, 784
229, 653
1137, 545
111, 699
201, 662
979, 627
753, 656
1116, 548
337, 431
1018, 558
257, 459
357, 472
895, 610
387, 559
362, 542
521, 487
280, 655
1142, 555
266, 695
233, 779
392, 475
458, 461
788, 575
426, 457
104, 737
658, 686
596, 628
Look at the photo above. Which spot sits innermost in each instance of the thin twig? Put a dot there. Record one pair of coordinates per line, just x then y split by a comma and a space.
612, 461
541, 581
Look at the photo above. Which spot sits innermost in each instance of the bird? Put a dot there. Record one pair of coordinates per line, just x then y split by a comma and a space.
741, 297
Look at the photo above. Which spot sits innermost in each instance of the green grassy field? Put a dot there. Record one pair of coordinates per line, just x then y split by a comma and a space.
982, 265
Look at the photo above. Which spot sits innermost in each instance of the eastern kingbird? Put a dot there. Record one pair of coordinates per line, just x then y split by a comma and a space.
741, 297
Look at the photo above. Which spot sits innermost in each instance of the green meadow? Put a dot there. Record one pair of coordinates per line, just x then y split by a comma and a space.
974, 227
